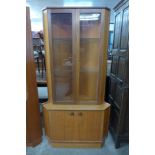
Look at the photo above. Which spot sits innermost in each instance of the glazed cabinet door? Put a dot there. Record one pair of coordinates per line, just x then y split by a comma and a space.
76, 46
90, 41
62, 36
74, 125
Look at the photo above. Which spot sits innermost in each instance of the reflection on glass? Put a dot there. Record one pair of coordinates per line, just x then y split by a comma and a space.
62, 55
90, 28
91, 17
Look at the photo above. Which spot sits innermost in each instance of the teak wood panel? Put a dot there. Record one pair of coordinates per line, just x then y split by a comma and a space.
77, 107
76, 50
71, 126
77, 145
103, 58
57, 122
33, 124
106, 122
46, 122
46, 24
90, 125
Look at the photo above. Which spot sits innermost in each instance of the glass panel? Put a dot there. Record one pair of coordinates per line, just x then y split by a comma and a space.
90, 28
62, 55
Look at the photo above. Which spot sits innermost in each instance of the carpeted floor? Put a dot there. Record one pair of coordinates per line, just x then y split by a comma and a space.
108, 149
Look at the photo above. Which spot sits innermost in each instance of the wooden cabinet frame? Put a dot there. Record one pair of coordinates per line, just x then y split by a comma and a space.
70, 124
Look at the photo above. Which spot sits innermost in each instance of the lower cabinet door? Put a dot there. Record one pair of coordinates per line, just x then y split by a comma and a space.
56, 125
71, 128
63, 126
76, 125
90, 125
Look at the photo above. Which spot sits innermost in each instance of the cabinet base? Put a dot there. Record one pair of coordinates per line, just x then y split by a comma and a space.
65, 144
77, 145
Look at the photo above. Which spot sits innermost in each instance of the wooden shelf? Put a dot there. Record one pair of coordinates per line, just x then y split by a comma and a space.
68, 38
41, 83
86, 69
80, 37
83, 38
89, 38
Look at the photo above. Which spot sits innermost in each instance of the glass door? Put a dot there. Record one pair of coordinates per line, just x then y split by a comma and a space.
62, 54
90, 49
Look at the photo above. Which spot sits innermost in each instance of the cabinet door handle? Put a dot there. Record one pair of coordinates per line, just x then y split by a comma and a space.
80, 113
72, 113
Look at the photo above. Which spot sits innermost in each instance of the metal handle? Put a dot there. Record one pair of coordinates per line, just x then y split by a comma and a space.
80, 113
72, 113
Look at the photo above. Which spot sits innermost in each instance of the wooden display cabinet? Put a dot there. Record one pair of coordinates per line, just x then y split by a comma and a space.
76, 42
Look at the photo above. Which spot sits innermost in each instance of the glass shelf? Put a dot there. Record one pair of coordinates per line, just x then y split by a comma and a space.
82, 38
62, 38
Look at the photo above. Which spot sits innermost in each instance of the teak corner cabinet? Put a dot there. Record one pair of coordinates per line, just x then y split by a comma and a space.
76, 42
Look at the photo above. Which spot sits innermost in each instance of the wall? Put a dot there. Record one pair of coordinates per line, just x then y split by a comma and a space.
36, 7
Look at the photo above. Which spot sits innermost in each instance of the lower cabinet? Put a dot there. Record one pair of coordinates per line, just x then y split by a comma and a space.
76, 127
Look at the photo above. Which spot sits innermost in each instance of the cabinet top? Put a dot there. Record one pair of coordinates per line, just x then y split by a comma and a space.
99, 107
75, 7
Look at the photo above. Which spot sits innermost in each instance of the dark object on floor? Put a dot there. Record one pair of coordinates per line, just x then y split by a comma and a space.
119, 77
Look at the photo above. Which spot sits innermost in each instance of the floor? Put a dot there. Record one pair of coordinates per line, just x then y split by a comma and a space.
108, 149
